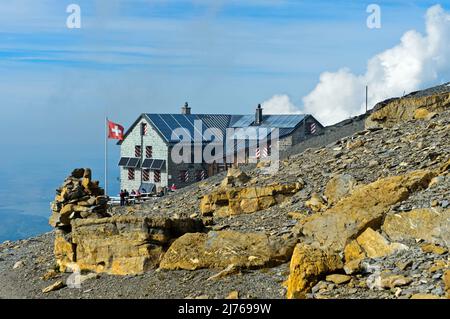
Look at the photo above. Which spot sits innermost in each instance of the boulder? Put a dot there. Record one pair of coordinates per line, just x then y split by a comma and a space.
338, 279
375, 245
433, 249
339, 187
365, 207
234, 201
308, 265
235, 177
427, 224
219, 249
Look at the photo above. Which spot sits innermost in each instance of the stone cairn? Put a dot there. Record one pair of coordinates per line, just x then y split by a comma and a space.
78, 197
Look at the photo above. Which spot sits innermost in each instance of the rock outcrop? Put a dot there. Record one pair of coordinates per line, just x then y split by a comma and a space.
387, 114
120, 245
244, 200
219, 249
365, 207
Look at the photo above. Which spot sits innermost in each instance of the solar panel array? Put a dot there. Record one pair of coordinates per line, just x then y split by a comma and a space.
154, 164
275, 121
167, 124
129, 162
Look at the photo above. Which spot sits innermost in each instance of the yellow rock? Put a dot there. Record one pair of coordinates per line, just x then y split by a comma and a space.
233, 295
434, 249
422, 114
426, 223
352, 266
353, 251
407, 108
365, 207
376, 245
56, 286
316, 203
119, 245
446, 278
338, 278
439, 265
64, 251
233, 201
307, 266
338, 187
389, 280
296, 215
219, 249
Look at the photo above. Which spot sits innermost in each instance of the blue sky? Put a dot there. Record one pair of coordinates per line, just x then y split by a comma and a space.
133, 56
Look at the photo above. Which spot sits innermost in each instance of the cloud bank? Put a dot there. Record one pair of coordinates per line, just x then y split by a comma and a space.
280, 104
418, 60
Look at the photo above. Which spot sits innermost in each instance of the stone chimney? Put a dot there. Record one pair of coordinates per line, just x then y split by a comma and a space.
258, 115
186, 109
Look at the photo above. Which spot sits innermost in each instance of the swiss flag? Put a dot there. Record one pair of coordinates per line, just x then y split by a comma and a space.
115, 131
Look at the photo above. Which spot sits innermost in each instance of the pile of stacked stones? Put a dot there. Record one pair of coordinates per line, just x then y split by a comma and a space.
78, 197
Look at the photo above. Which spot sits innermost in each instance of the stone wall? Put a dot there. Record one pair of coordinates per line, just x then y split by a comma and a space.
160, 151
328, 135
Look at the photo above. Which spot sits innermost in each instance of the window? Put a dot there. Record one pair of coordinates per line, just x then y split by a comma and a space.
184, 176
157, 176
131, 174
137, 151
148, 152
144, 129
200, 175
146, 175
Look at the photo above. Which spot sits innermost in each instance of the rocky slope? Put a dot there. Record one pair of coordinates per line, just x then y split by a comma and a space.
367, 216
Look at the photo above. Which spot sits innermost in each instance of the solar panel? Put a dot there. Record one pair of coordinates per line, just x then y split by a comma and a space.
147, 163
158, 164
133, 162
123, 161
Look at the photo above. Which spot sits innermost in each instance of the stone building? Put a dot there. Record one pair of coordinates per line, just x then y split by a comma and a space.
146, 151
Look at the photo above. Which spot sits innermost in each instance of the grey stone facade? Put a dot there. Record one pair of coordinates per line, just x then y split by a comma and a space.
160, 151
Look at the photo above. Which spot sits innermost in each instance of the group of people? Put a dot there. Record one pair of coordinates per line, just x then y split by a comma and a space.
124, 194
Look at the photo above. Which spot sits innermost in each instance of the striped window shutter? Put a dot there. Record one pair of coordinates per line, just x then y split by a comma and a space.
157, 176
148, 151
131, 174
146, 175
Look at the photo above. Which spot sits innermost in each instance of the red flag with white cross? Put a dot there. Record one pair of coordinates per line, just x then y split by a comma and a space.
115, 131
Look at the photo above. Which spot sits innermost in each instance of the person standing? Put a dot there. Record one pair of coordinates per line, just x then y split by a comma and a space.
122, 197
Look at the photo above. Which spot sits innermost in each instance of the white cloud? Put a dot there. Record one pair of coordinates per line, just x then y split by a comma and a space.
280, 104
418, 60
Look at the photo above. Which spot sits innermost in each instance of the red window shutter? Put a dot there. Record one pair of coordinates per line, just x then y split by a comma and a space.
146, 175
131, 174
157, 176
148, 151
137, 151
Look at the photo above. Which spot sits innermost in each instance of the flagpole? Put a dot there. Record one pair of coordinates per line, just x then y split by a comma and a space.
106, 157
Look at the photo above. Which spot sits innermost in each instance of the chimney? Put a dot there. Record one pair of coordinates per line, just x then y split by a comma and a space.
258, 115
186, 110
